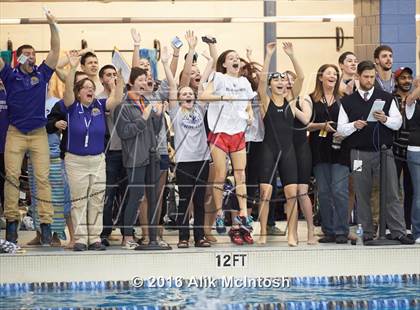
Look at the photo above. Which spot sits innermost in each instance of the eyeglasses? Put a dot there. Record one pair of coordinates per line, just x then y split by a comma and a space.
88, 88
276, 75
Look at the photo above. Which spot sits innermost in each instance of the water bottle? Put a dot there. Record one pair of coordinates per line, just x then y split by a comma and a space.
359, 233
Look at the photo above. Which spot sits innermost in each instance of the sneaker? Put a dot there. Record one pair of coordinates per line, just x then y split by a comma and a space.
235, 236
79, 247
220, 224
97, 246
418, 240
130, 245
246, 236
405, 240
105, 242
28, 223
275, 231
341, 239
249, 220
11, 231
46, 236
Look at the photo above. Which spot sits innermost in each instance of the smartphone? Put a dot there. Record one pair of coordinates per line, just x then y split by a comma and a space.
177, 42
206, 39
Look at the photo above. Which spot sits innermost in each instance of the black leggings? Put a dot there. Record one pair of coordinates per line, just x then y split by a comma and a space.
252, 172
191, 177
282, 160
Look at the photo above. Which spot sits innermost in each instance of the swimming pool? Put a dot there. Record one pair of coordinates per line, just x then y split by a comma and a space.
366, 292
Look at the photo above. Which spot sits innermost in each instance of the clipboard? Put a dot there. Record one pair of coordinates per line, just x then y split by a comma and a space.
378, 105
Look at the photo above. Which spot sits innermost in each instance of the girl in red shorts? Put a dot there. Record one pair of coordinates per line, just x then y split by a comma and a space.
229, 115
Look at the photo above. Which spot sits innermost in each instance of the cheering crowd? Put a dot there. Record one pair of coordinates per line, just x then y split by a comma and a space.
109, 139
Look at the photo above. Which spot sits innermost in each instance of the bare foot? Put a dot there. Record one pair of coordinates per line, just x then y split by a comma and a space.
311, 238
70, 245
262, 239
210, 238
36, 240
292, 240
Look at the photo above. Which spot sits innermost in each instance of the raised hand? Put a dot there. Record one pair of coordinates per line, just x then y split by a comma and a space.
248, 52
191, 39
50, 18
165, 55
288, 48
271, 47
74, 58
136, 36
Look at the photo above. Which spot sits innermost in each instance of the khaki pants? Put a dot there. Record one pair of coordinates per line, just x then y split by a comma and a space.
87, 177
17, 144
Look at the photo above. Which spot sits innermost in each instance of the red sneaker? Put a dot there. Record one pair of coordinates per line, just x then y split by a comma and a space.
246, 236
235, 236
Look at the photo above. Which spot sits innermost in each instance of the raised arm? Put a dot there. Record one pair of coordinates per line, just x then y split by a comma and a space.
116, 94
175, 59
207, 71
74, 61
213, 51
164, 57
186, 73
136, 55
297, 86
54, 53
262, 84
304, 113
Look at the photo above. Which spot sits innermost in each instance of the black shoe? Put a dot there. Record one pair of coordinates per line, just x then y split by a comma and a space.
105, 241
327, 239
78, 247
46, 236
97, 246
11, 231
341, 239
389, 237
405, 240
367, 239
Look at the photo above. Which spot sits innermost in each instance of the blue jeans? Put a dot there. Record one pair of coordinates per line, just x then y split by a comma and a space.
333, 194
413, 159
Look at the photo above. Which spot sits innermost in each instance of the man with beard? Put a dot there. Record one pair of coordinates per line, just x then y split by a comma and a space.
365, 138
26, 91
404, 81
383, 61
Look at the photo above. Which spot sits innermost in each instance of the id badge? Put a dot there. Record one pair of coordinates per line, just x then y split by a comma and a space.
357, 165
86, 140
323, 133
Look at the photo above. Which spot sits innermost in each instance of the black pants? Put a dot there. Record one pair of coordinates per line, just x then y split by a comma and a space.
140, 178
408, 189
115, 188
191, 178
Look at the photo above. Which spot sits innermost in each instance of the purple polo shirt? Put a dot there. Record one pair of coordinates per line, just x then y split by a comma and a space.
4, 121
26, 96
86, 128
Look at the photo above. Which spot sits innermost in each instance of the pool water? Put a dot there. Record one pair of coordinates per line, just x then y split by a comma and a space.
348, 296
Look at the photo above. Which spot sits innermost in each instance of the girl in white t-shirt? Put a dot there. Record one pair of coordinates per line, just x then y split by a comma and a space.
229, 115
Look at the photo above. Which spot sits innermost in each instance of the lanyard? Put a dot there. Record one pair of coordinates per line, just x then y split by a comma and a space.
392, 86
87, 125
139, 102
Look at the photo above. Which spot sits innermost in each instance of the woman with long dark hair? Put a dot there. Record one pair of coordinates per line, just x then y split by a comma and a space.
330, 161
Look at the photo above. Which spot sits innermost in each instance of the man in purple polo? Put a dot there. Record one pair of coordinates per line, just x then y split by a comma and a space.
26, 87
4, 123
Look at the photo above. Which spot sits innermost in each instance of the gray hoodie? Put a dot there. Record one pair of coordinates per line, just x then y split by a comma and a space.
137, 135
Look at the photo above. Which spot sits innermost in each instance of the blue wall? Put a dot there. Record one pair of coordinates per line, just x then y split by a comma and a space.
398, 30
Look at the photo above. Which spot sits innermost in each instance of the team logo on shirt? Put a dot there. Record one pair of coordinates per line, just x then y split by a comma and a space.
192, 120
34, 80
96, 112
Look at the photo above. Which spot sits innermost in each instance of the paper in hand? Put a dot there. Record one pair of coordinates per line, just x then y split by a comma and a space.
119, 62
378, 105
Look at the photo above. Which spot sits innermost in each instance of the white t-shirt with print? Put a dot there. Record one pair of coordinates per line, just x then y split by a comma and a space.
229, 117
190, 134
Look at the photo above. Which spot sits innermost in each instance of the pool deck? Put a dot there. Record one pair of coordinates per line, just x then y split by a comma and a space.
275, 259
